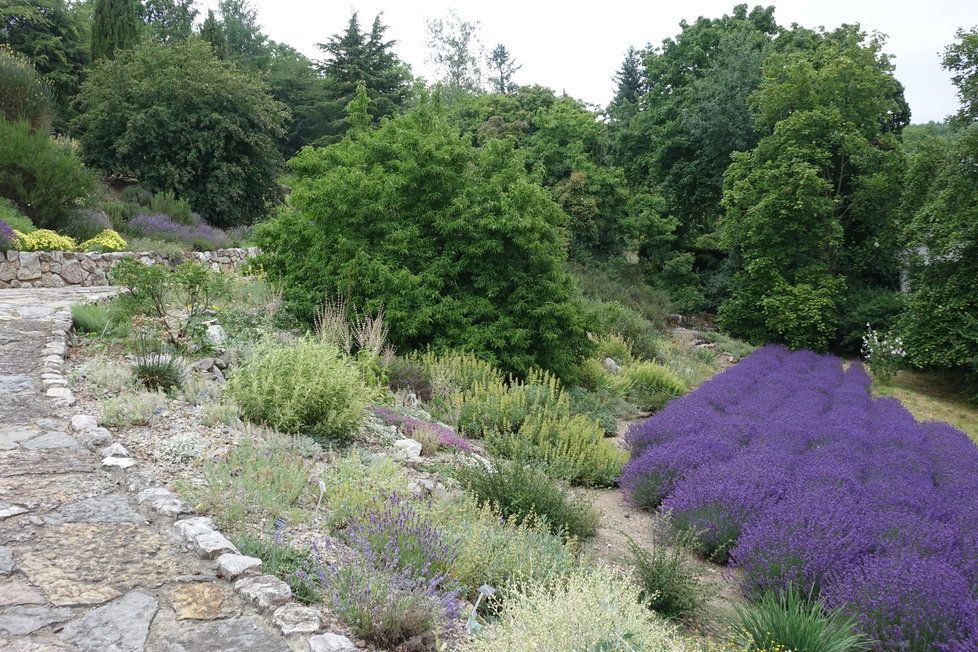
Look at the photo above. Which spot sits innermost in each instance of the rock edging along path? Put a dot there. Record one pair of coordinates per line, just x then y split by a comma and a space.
56, 269
90, 560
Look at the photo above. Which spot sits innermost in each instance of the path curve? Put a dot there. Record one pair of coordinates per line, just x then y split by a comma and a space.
83, 567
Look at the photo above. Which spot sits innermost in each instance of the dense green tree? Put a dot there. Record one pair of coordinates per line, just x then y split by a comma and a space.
456, 51
244, 40
940, 326
630, 86
52, 35
179, 119
294, 81
502, 67
115, 26
353, 56
170, 20
460, 245
815, 204
961, 58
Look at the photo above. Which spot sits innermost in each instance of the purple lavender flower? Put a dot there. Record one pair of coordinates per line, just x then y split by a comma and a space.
409, 425
7, 236
200, 235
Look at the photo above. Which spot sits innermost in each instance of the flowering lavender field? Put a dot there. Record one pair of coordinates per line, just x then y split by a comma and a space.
789, 469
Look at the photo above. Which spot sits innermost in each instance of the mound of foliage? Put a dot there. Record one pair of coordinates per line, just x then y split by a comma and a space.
788, 466
460, 246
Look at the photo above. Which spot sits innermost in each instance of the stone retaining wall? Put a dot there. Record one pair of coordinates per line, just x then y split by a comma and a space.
55, 269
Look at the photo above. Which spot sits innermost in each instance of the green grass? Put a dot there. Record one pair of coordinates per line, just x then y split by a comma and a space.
931, 397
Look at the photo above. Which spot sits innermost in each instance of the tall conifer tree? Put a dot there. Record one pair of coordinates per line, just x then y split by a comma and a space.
115, 26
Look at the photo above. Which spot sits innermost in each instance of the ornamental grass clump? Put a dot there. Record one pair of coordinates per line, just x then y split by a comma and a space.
667, 576
788, 466
789, 620
304, 387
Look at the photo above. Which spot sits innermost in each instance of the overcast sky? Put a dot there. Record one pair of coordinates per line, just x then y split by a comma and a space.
577, 46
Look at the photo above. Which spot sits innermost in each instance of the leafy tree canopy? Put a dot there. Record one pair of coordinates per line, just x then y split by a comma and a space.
461, 246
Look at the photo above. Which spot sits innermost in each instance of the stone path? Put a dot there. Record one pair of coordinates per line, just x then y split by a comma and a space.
83, 566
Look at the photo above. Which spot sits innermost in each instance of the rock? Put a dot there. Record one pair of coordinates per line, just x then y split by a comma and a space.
407, 450
51, 440
115, 450
264, 591
202, 601
293, 618
215, 336
111, 508
62, 393
95, 438
191, 528
26, 619
163, 501
121, 626
7, 510
612, 366
213, 544
331, 643
121, 462
226, 636
674, 320
10, 438
218, 375
83, 422
232, 566
72, 273
204, 364
220, 363
6, 560
30, 266
18, 592
13, 383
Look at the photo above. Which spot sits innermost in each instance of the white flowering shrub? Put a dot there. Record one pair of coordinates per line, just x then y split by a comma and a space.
884, 353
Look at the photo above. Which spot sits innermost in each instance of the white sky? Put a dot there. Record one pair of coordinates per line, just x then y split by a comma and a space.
577, 47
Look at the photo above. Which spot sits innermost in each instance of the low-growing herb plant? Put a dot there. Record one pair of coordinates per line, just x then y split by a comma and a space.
131, 409
667, 575
285, 562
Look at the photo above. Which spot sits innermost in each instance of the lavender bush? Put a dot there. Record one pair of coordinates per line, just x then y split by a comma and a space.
788, 465
388, 582
7, 236
198, 234
409, 425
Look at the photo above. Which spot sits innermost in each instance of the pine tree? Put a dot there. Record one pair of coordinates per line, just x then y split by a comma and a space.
115, 26
171, 20
629, 83
503, 67
354, 56
212, 31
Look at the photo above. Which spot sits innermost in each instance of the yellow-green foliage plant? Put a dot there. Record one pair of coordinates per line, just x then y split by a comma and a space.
44, 240
306, 387
593, 608
355, 486
457, 371
106, 241
571, 448
497, 551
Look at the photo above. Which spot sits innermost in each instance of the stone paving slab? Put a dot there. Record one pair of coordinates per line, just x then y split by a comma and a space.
83, 567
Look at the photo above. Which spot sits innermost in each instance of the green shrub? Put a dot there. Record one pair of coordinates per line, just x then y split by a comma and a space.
23, 94
651, 385
614, 318
261, 478
158, 370
308, 387
103, 242
177, 209
879, 307
137, 196
467, 253
44, 177
571, 448
13, 218
605, 407
524, 492
791, 621
668, 577
119, 213
454, 371
591, 609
